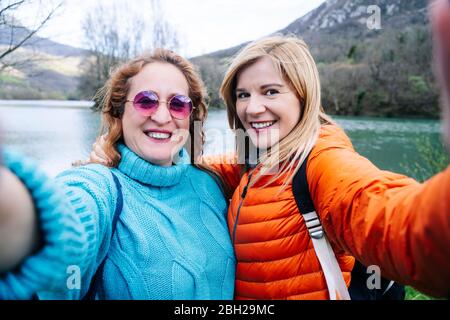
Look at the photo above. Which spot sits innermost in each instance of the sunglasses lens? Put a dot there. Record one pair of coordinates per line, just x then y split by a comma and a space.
146, 102
180, 107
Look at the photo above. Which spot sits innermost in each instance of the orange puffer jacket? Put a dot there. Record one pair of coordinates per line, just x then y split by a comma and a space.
381, 218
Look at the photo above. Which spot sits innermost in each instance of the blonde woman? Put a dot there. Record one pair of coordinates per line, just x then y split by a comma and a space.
378, 217
272, 92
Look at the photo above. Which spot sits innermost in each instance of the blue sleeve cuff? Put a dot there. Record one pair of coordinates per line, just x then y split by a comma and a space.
64, 239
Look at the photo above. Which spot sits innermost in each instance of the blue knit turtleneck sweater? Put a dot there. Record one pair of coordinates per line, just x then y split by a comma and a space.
171, 239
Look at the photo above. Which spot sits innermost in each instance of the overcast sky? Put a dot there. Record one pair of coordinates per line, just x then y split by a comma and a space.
203, 25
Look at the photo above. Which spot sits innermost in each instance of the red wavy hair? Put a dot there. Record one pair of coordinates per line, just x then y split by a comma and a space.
111, 98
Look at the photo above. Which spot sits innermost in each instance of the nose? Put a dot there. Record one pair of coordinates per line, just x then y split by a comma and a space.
255, 105
162, 114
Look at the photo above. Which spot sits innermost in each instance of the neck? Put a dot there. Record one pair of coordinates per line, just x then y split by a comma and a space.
159, 175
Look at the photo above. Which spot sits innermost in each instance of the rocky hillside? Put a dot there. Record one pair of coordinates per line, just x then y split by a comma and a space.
342, 19
341, 16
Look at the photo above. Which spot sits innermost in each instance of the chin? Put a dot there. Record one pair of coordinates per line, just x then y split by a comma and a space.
264, 145
263, 142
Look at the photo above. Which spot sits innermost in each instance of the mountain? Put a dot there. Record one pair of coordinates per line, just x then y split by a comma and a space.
366, 68
345, 18
41, 68
8, 36
336, 22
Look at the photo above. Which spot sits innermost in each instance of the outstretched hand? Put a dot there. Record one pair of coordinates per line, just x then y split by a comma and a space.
19, 233
440, 21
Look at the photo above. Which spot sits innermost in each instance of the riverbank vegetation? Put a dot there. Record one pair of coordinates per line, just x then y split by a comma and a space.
434, 159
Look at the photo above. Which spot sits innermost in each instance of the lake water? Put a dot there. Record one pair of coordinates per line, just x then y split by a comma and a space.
58, 133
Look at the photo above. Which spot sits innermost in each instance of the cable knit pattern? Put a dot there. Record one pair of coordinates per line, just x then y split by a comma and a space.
171, 240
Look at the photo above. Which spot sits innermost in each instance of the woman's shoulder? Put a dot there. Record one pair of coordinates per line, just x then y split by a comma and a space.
205, 182
199, 174
331, 137
90, 176
93, 169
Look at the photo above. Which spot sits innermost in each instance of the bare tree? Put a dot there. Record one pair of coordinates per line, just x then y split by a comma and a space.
164, 35
400, 69
114, 35
14, 35
212, 71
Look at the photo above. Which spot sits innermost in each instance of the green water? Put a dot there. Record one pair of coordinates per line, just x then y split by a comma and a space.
392, 144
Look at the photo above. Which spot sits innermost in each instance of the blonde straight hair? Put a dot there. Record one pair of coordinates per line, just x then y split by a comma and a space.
293, 60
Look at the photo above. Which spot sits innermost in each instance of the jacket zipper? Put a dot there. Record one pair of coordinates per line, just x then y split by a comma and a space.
244, 193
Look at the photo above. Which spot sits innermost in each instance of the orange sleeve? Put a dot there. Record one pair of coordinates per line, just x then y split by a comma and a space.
226, 167
380, 217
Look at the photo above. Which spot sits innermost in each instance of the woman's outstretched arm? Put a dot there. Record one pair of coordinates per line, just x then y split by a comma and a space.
382, 218
73, 213
18, 221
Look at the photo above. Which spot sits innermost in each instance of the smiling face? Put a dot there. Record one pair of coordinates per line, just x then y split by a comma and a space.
266, 105
158, 137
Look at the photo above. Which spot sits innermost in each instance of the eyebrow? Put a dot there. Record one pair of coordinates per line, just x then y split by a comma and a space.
170, 95
264, 86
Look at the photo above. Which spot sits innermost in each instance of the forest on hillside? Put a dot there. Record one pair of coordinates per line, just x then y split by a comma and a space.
390, 75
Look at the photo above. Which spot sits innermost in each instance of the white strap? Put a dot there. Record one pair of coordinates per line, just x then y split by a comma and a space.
332, 272
388, 287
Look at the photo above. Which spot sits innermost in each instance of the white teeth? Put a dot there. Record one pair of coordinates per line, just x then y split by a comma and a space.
158, 135
262, 124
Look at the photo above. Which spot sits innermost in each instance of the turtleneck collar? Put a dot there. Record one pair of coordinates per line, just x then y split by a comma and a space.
145, 172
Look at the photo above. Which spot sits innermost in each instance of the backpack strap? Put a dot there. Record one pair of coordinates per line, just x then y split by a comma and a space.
333, 275
96, 279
